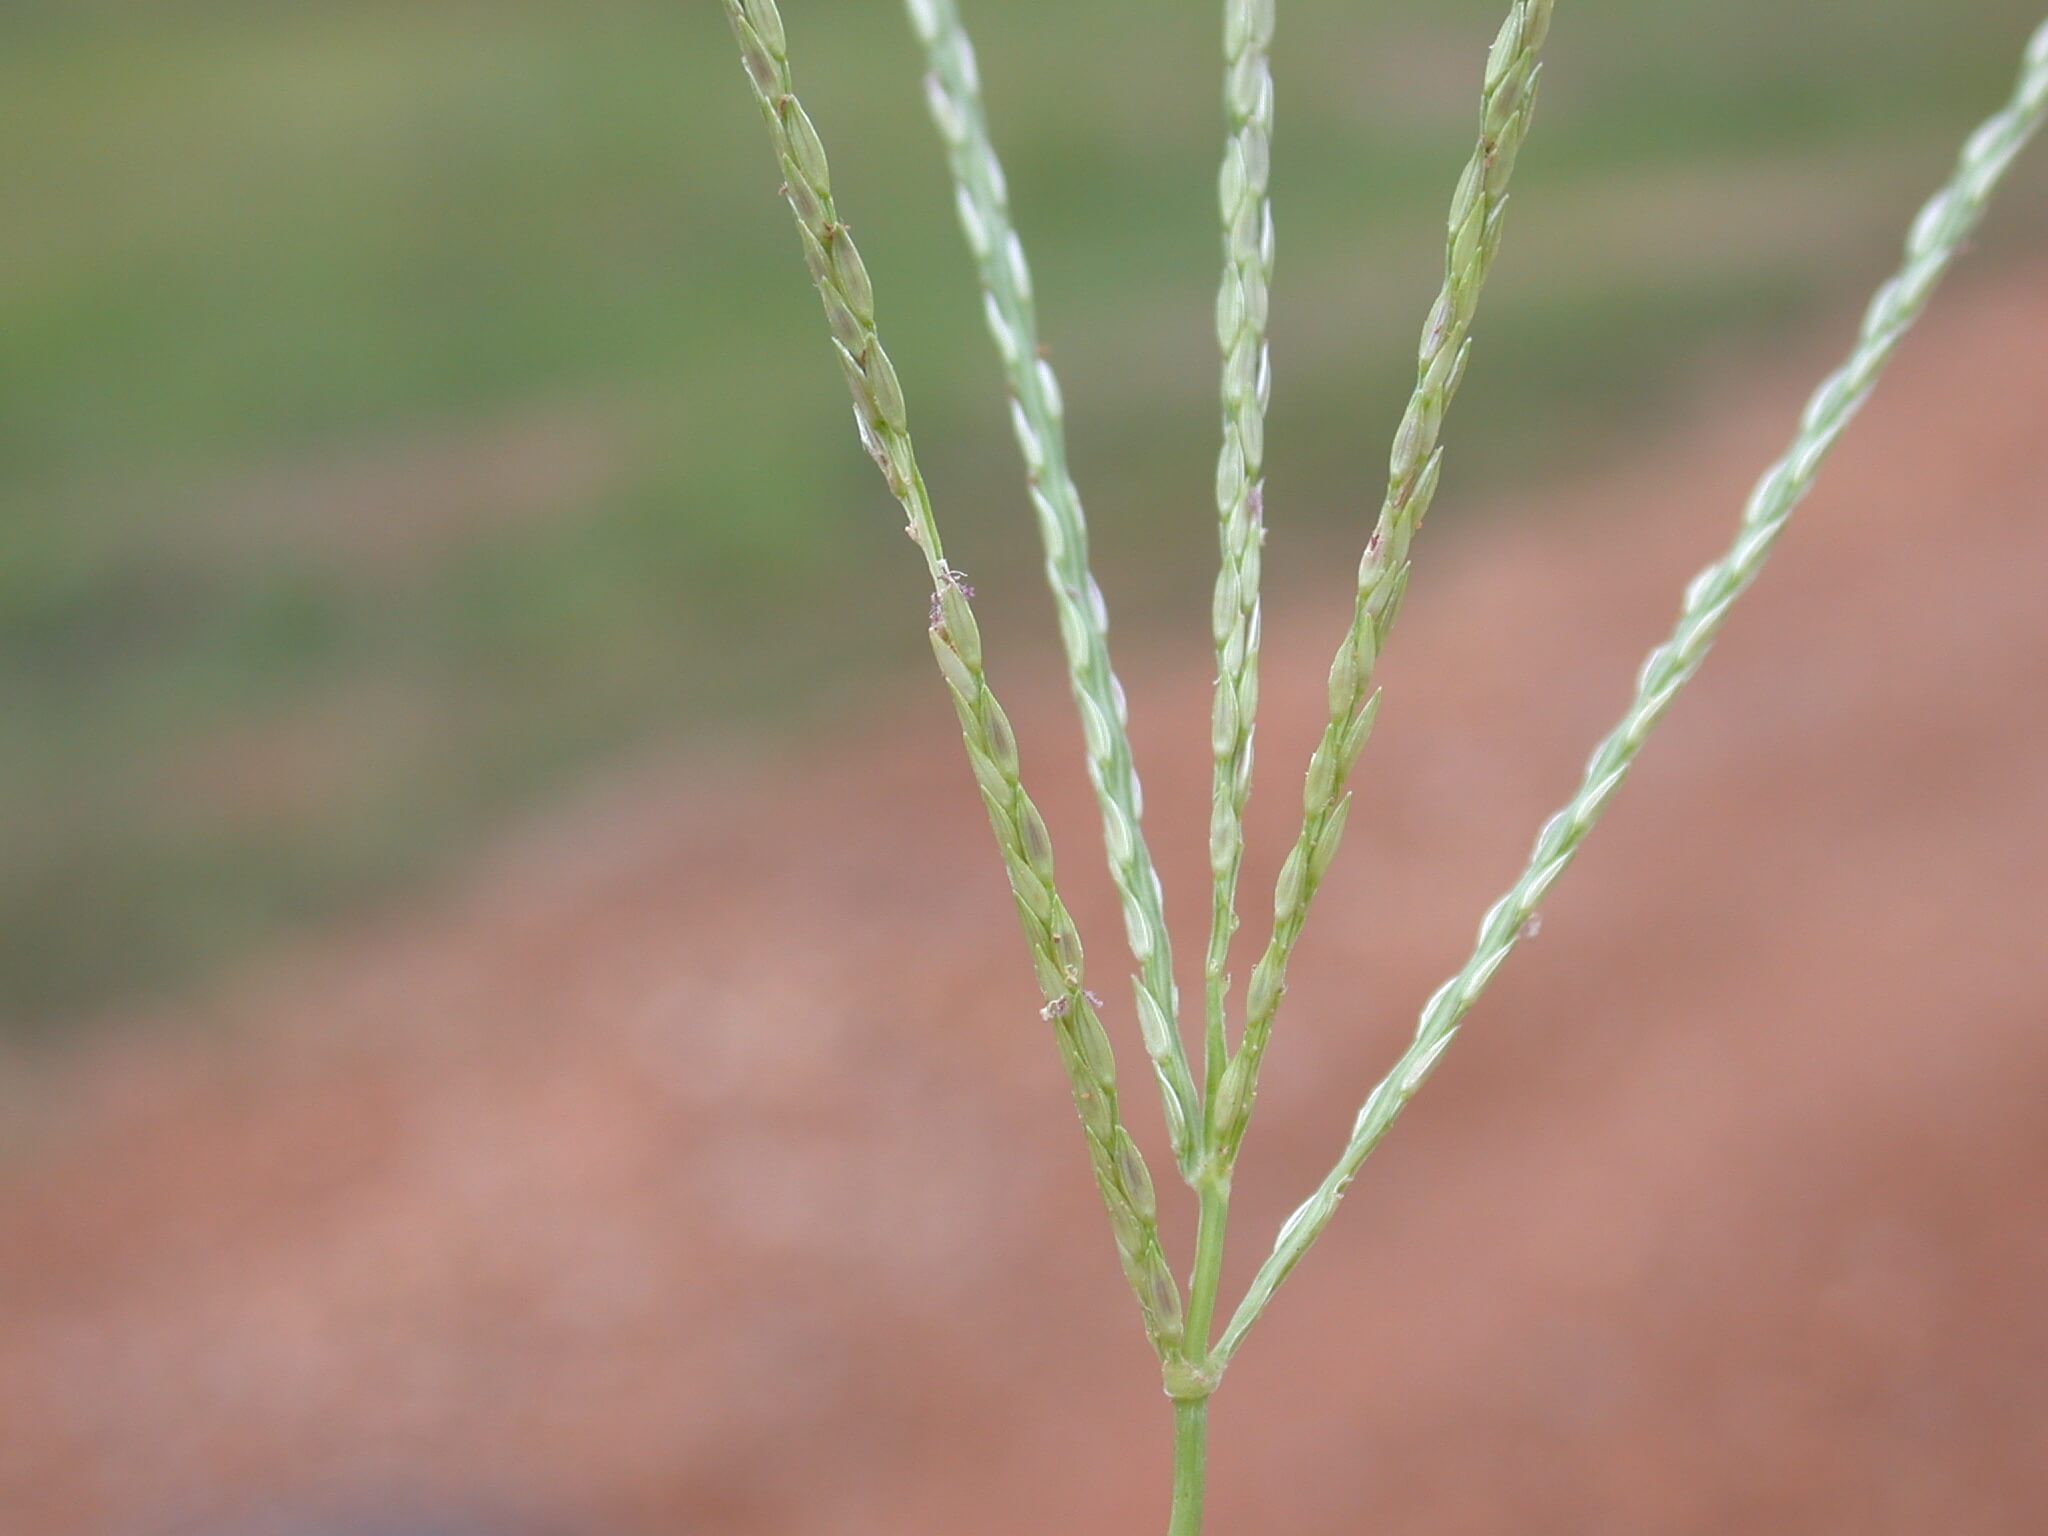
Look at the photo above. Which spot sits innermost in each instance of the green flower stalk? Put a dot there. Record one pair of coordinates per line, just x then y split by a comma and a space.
1242, 303
953, 91
1020, 832
1508, 99
1938, 235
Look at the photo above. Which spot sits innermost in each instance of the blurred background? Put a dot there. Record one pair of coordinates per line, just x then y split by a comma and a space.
508, 1022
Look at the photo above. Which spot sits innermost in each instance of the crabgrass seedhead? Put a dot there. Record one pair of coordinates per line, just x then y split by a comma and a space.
1207, 1123
981, 198
882, 417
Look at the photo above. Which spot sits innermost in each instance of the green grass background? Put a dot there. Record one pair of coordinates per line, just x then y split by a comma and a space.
404, 408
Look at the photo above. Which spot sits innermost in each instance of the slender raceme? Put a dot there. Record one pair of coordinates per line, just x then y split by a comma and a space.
953, 90
1937, 237
1508, 98
1020, 832
1241, 318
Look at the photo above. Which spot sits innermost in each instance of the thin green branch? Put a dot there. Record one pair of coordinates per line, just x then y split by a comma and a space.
1938, 235
1241, 321
1020, 832
953, 89
1211, 1219
1507, 100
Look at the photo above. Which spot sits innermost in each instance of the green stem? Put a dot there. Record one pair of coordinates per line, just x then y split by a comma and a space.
1213, 1191
1191, 1414
1190, 1465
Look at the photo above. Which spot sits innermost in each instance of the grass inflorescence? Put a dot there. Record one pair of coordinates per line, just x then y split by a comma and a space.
882, 419
1207, 1122
1478, 207
1243, 306
953, 91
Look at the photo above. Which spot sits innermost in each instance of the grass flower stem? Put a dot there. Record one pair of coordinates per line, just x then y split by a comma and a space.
953, 90
1212, 1216
1190, 1466
1020, 832
1938, 235
1507, 100
1242, 305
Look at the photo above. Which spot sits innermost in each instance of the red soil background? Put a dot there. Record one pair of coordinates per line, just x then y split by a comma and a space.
700, 1164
